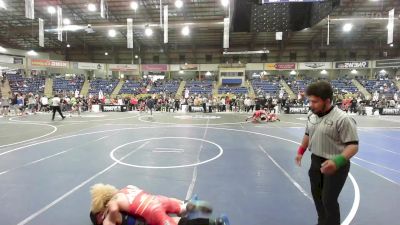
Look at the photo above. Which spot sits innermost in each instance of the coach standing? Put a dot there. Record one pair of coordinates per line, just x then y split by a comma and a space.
331, 136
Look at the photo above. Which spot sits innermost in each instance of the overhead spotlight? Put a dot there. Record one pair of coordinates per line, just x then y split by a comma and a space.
134, 5
112, 33
3, 49
136, 56
92, 7
185, 31
178, 4
382, 71
68, 45
292, 72
353, 71
3, 5
51, 9
181, 72
208, 73
105, 53
225, 3
347, 27
66, 21
391, 45
324, 72
32, 53
148, 31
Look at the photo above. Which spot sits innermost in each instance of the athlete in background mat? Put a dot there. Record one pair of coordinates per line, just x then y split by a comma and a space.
259, 115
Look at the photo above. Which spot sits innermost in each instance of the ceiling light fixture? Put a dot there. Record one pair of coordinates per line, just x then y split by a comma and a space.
178, 4
185, 31
32, 53
134, 5
225, 3
3, 49
347, 27
51, 10
3, 5
66, 21
112, 33
92, 7
148, 31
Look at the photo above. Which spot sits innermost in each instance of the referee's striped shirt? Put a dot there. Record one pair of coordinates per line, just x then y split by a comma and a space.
331, 133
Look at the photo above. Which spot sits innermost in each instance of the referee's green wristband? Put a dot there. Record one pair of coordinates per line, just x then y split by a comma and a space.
339, 161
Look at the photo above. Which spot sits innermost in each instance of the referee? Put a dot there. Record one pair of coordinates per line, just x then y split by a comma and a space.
56, 105
331, 136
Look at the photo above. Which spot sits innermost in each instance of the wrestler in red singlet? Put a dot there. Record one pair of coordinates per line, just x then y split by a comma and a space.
154, 209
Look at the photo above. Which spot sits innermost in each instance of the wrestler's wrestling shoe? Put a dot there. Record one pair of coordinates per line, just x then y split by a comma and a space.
198, 209
222, 220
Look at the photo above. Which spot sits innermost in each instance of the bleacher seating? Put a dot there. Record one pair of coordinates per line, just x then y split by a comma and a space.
299, 85
263, 87
232, 90
130, 87
386, 87
26, 85
106, 86
162, 86
199, 87
67, 85
344, 86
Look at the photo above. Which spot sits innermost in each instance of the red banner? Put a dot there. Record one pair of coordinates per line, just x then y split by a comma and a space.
48, 63
280, 66
155, 67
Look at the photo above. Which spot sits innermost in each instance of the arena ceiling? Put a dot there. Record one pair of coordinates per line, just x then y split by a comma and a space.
204, 18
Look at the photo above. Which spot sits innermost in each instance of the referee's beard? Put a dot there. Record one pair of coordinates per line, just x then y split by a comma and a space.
319, 106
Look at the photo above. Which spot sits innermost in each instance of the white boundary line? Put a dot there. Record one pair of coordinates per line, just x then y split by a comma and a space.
349, 218
75, 121
44, 209
112, 156
172, 149
378, 165
40, 124
379, 134
297, 185
48, 157
377, 174
194, 124
189, 192
383, 149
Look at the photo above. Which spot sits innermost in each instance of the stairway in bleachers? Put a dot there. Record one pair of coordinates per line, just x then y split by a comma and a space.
215, 88
6, 89
249, 86
180, 89
48, 88
362, 89
397, 82
117, 88
288, 89
85, 88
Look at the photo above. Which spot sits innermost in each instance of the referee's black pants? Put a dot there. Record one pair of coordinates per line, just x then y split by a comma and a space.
325, 191
58, 109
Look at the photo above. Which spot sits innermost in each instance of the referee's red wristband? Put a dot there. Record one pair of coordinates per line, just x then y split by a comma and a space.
301, 150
